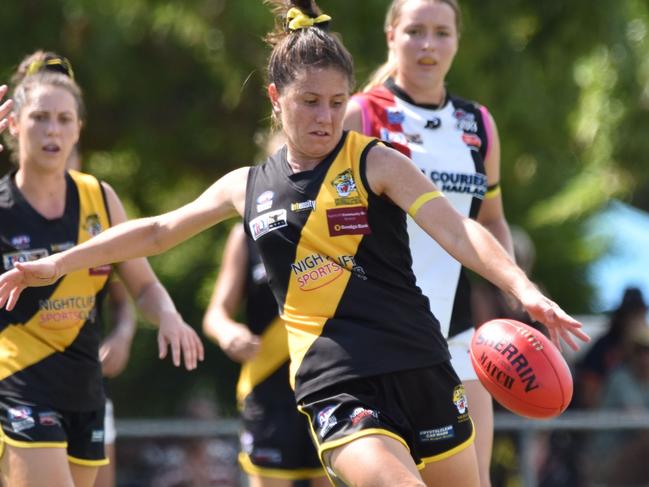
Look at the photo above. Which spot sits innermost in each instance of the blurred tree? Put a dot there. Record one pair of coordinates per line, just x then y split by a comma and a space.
175, 95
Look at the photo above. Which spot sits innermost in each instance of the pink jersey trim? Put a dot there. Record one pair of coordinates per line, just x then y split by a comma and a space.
489, 130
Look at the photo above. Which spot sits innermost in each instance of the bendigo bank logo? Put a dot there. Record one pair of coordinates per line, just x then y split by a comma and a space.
315, 271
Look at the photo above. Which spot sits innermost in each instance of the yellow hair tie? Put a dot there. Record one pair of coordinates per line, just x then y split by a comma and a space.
422, 200
298, 20
64, 64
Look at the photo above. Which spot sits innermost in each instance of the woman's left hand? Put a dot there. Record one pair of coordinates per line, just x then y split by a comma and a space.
559, 323
42, 272
174, 333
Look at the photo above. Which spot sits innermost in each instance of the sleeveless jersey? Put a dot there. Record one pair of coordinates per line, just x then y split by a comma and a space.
264, 379
449, 144
339, 265
49, 342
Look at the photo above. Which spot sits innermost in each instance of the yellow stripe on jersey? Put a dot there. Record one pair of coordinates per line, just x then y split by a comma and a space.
273, 352
319, 278
59, 319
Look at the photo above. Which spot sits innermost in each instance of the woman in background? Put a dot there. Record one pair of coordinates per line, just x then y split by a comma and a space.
115, 348
275, 445
454, 142
52, 412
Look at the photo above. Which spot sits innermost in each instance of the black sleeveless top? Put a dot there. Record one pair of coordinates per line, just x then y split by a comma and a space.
339, 265
49, 342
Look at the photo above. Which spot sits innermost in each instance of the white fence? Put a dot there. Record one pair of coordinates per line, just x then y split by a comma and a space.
525, 428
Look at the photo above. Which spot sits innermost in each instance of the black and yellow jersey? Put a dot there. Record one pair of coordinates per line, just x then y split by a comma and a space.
49, 342
339, 266
264, 379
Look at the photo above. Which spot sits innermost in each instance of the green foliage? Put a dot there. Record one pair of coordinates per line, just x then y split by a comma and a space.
175, 95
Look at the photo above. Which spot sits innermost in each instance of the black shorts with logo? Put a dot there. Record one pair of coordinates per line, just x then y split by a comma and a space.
424, 409
29, 425
275, 441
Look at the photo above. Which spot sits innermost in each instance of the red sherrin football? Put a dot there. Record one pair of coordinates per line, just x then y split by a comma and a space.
521, 368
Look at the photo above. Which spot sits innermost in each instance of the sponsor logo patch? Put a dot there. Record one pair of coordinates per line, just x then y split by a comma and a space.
465, 121
21, 418
60, 247
23, 425
9, 260
348, 221
19, 413
97, 436
395, 116
265, 201
267, 223
393, 137
437, 434
433, 123
66, 312
414, 139
474, 184
21, 242
49, 418
303, 206
326, 420
460, 401
92, 225
102, 270
315, 271
360, 414
346, 188
472, 140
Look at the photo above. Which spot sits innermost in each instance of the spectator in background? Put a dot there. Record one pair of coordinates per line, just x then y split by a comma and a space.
619, 458
608, 351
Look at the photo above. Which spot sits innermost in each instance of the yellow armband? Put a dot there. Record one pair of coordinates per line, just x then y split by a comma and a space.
422, 200
492, 191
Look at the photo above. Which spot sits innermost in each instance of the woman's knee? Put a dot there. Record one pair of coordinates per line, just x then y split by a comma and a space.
31, 467
374, 461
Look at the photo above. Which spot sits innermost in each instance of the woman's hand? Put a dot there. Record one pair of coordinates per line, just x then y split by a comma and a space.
237, 341
560, 325
42, 272
114, 353
174, 333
